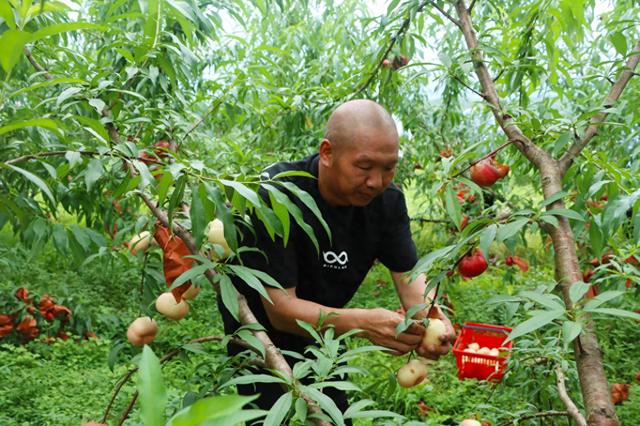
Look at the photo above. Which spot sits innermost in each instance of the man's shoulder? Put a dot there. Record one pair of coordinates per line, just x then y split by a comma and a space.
393, 194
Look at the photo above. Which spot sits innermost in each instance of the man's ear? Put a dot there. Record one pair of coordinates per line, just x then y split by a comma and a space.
327, 154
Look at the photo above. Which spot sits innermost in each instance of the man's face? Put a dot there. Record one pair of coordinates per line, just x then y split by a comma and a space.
361, 171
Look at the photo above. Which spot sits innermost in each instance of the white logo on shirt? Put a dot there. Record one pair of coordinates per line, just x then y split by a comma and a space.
335, 261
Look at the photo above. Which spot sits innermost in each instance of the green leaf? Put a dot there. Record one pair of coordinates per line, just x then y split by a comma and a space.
308, 201
243, 417
252, 340
619, 41
244, 191
614, 312
229, 296
281, 210
551, 220
374, 414
309, 329
487, 237
555, 197
45, 123
152, 24
534, 323
209, 408
290, 173
301, 409
197, 214
7, 14
249, 276
153, 396
253, 378
190, 274
145, 174
65, 27
570, 330
92, 173
52, 82
571, 214
578, 290
66, 94
452, 205
163, 187
547, 300
508, 230
34, 179
326, 404
95, 127
596, 238
279, 410
12, 42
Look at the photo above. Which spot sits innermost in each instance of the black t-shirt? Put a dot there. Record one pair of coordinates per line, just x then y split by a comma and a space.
330, 277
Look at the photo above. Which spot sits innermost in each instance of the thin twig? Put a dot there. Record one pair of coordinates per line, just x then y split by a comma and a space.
595, 122
449, 17
566, 399
36, 64
48, 154
459, 80
167, 357
394, 39
491, 154
470, 8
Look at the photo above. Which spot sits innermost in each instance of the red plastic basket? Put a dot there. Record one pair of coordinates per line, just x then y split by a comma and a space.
481, 366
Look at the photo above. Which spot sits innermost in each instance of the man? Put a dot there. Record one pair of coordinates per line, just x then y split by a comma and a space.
368, 219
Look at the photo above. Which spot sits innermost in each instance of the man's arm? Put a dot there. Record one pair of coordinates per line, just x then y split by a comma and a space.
378, 325
412, 293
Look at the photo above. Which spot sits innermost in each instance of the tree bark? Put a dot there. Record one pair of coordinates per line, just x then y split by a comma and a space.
593, 382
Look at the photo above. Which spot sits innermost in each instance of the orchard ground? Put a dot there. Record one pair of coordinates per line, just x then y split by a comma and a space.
67, 382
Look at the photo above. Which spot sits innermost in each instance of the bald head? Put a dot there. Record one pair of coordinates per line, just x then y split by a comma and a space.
358, 120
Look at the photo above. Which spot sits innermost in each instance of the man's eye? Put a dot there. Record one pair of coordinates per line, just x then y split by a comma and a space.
364, 167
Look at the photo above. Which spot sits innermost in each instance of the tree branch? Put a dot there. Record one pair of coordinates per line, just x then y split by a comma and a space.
449, 17
168, 356
394, 39
572, 410
273, 356
48, 154
595, 122
470, 8
36, 64
535, 154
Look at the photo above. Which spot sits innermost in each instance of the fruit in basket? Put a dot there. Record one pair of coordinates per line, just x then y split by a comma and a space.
484, 350
473, 346
494, 352
470, 422
411, 374
435, 330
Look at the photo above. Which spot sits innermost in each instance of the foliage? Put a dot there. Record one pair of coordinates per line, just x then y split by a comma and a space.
89, 87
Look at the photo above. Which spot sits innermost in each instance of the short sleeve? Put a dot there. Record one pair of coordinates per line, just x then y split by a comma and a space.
397, 250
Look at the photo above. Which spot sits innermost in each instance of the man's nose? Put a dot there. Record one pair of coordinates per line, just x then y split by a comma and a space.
374, 180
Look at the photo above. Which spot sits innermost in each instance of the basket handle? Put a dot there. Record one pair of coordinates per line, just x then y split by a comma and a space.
478, 327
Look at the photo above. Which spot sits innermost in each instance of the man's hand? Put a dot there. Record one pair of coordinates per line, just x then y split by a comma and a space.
380, 328
449, 337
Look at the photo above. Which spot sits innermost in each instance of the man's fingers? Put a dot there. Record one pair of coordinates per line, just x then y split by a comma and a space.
416, 329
